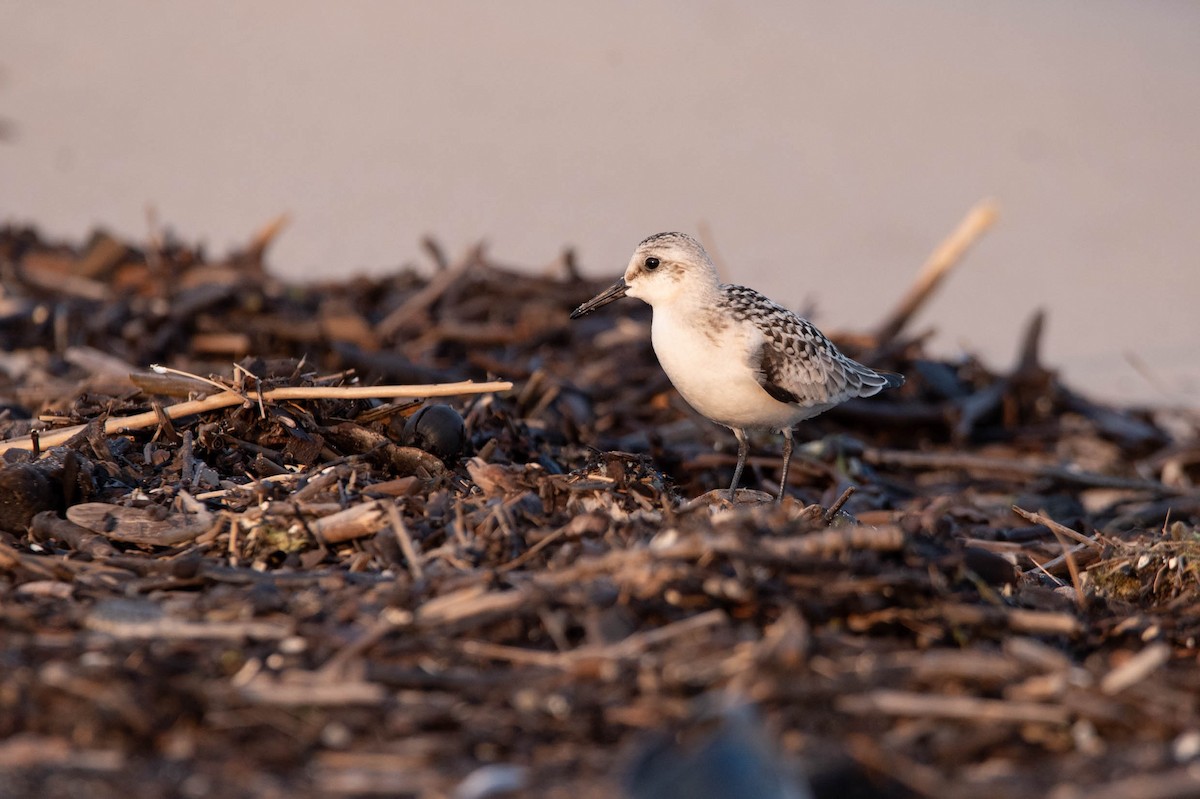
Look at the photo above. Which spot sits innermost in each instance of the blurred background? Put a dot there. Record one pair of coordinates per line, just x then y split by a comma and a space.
824, 149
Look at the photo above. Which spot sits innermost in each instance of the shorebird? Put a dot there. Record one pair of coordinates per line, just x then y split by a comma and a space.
735, 356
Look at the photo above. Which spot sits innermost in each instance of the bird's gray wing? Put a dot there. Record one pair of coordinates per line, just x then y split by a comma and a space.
794, 362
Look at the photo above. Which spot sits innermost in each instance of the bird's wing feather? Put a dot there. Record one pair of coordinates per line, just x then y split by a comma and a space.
794, 362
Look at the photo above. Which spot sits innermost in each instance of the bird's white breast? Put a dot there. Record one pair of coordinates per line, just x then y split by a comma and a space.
708, 358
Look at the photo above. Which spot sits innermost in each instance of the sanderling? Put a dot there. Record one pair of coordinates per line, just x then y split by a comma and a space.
734, 355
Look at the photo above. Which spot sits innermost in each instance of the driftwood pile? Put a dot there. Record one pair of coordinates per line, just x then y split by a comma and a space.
292, 561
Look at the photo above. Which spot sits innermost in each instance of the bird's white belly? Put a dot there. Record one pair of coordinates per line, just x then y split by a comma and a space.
714, 375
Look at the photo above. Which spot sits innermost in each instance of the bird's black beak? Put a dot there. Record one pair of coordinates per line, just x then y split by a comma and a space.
614, 292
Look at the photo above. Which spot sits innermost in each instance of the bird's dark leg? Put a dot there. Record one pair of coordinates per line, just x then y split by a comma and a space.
743, 451
787, 461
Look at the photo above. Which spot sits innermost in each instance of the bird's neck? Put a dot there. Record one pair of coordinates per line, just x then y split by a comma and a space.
689, 299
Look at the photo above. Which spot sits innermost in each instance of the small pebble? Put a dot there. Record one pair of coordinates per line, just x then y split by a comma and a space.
24, 493
437, 429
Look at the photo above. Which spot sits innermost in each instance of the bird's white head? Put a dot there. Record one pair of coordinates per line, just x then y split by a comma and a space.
666, 264
663, 267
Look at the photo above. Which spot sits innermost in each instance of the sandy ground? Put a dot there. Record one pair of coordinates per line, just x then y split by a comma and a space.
823, 148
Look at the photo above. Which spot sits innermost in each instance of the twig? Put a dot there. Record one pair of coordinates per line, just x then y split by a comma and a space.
60, 283
1062, 533
969, 708
836, 507
1152, 377
921, 779
1037, 622
423, 299
948, 254
641, 641
405, 541
135, 619
99, 363
228, 398
1046, 521
1181, 781
471, 605
628, 647
357, 521
1136, 669
351, 437
265, 235
391, 619
525, 556
1072, 568
1041, 622
260, 482
47, 525
801, 549
431, 246
30, 750
1083, 554
264, 690
1028, 358
978, 463
1046, 571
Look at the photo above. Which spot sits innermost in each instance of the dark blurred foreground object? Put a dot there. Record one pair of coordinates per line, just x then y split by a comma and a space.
732, 760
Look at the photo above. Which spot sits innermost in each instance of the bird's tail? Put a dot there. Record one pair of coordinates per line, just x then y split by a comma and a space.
891, 379
871, 382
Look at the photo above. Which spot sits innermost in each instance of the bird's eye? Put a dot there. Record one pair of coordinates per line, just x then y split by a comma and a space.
652, 263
